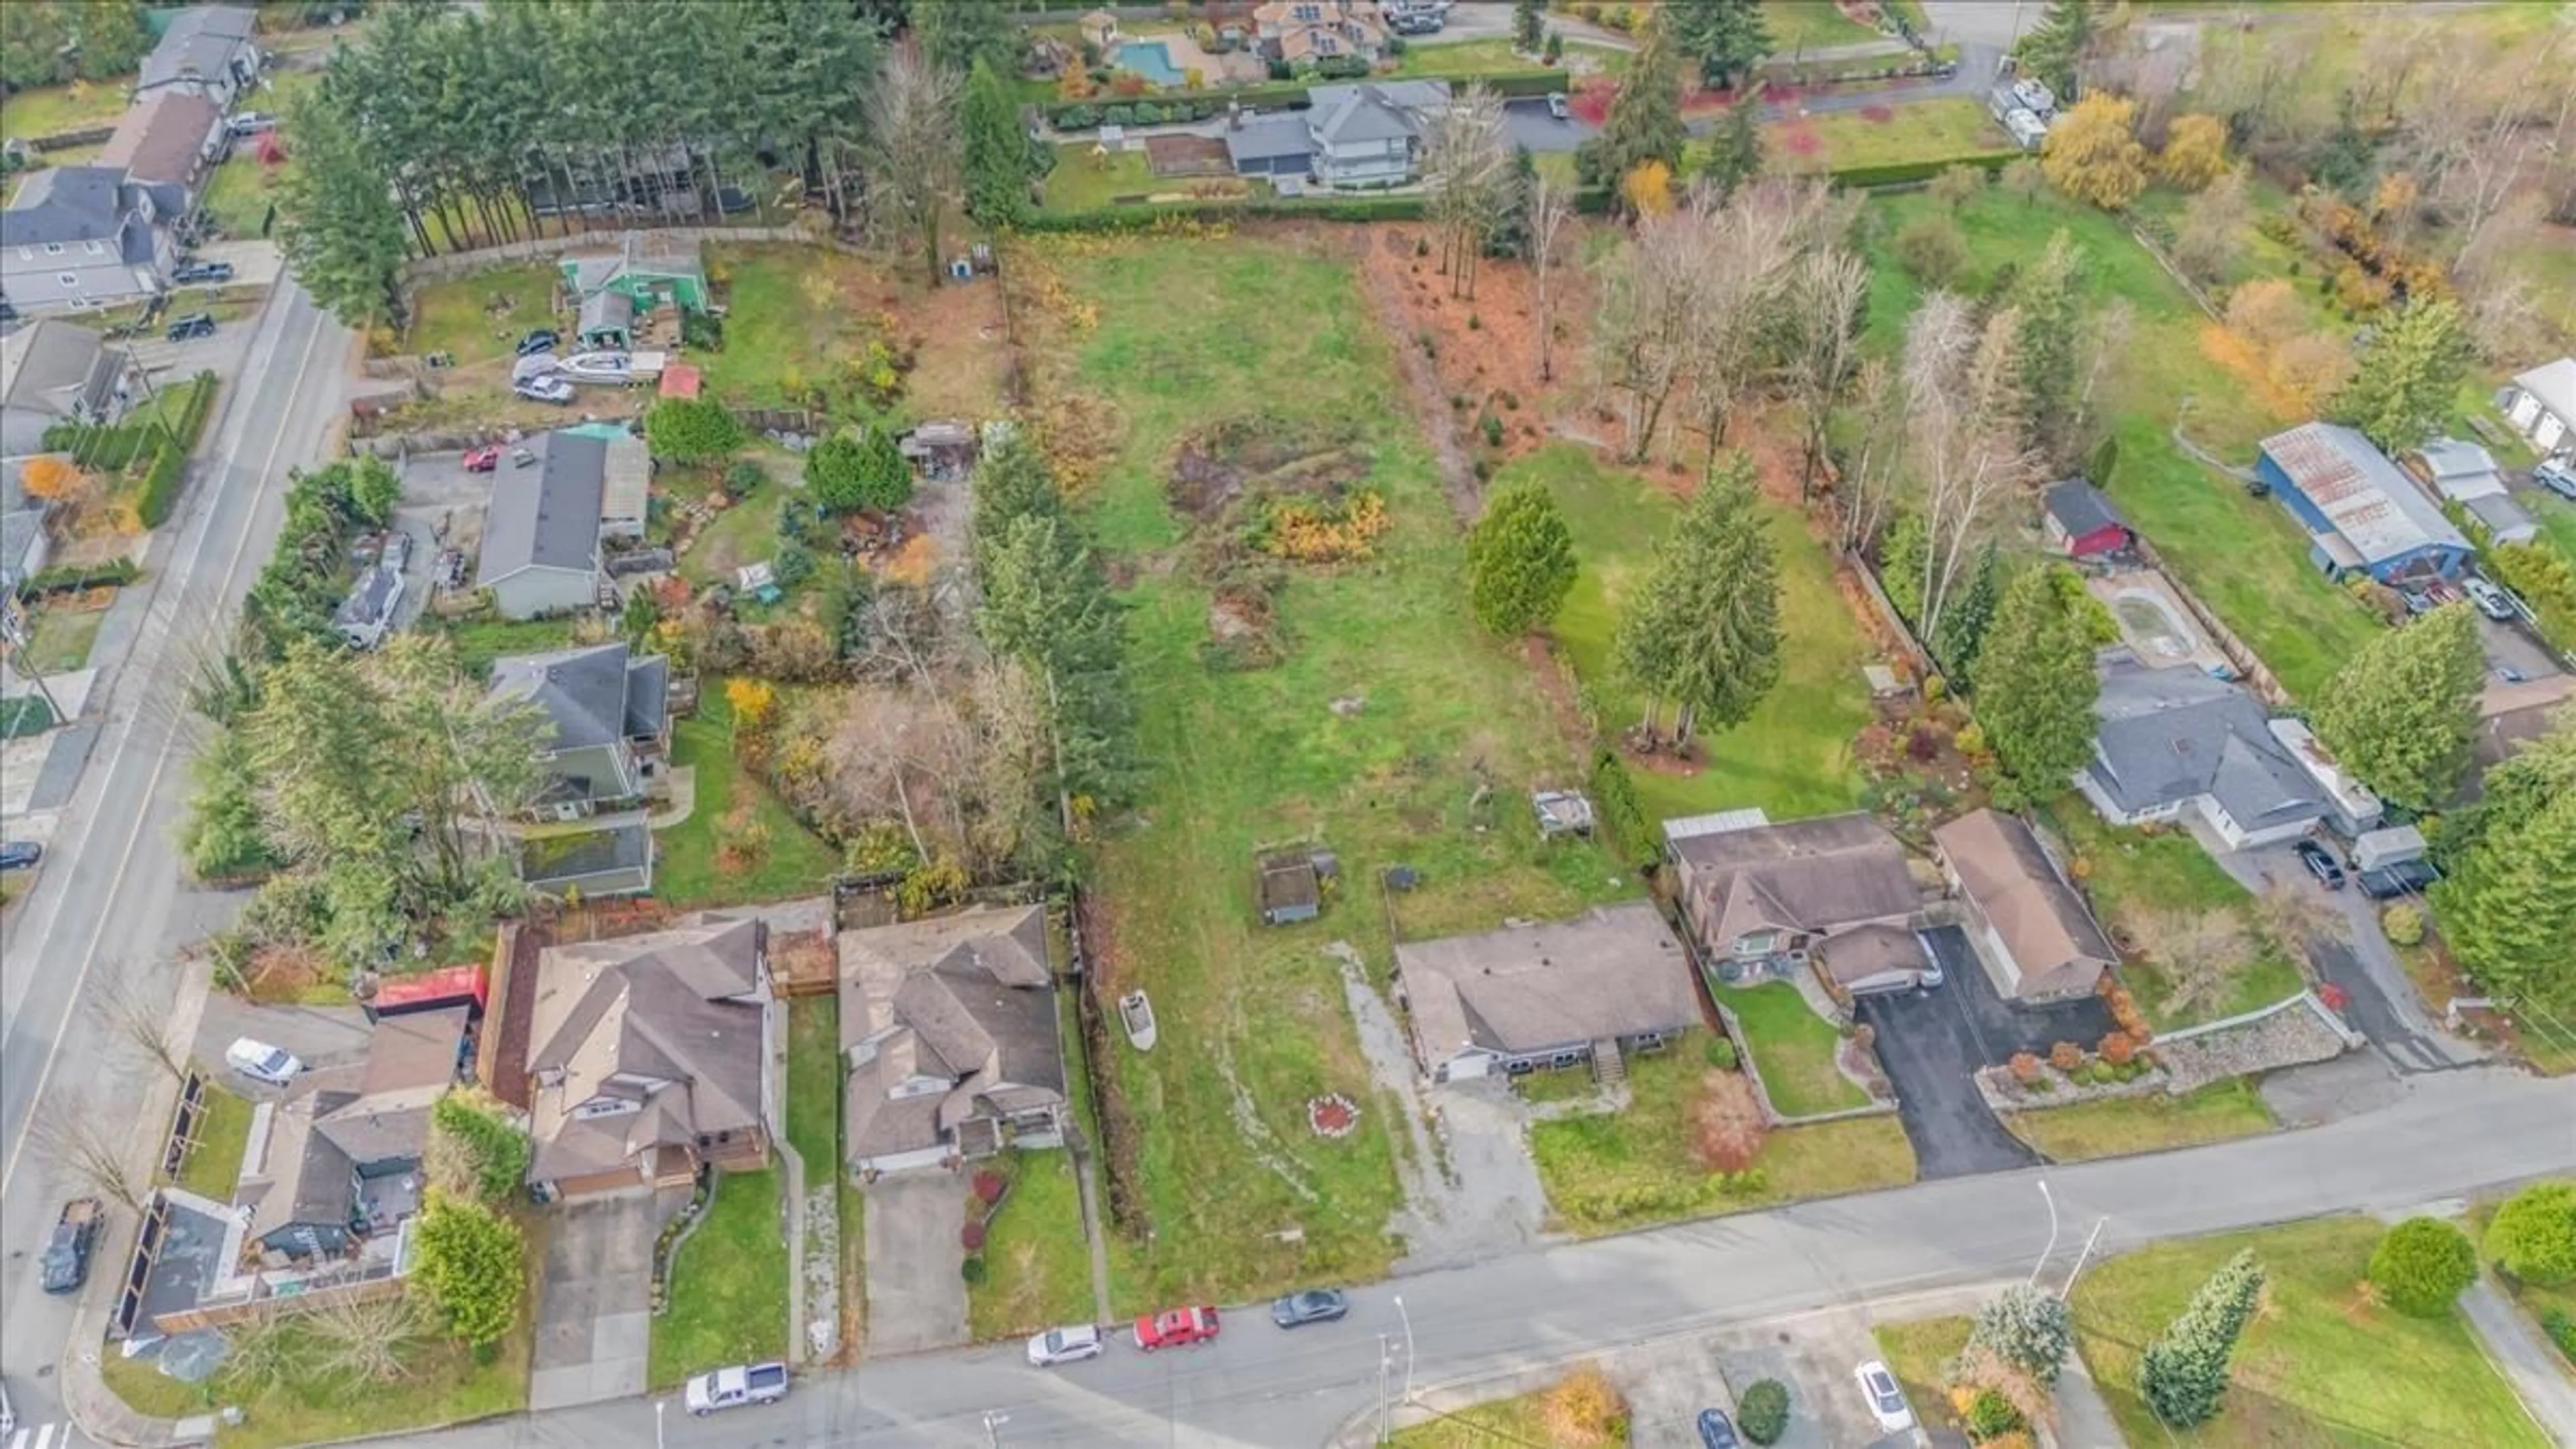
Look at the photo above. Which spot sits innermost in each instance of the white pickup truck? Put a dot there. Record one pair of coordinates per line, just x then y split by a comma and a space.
731, 1388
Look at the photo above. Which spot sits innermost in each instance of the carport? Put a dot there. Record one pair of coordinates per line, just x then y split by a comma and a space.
1933, 1042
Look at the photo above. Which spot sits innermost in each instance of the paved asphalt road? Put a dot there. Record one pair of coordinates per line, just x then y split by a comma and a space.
2453, 1134
110, 896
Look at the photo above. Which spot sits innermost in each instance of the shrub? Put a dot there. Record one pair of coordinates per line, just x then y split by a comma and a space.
972, 1270
1720, 1052
2561, 1328
2118, 1049
702, 331
1763, 1412
2025, 1069
2066, 1056
2403, 923
2421, 1265
793, 564
1933, 249
1493, 431
971, 1237
743, 478
1584, 1409
1991, 1414
1971, 739
2533, 1236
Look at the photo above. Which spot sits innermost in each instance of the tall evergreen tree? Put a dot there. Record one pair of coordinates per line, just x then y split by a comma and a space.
1704, 632
1971, 613
958, 33
2036, 686
340, 230
1726, 39
2050, 300
2184, 1373
1510, 236
2056, 48
2408, 376
2400, 714
1645, 120
997, 154
1529, 27
1520, 560
1734, 155
2508, 896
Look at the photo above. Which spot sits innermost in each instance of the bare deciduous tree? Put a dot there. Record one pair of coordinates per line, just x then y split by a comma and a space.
371, 1340
2290, 918
1550, 209
1466, 163
1868, 487
137, 1012
262, 1349
1827, 293
82, 1138
2482, 118
915, 148
1967, 447
1642, 327
2212, 232
2198, 953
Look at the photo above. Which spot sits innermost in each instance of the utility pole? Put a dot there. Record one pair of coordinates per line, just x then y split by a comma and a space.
1385, 1356
2046, 1253
2089, 1240
993, 1422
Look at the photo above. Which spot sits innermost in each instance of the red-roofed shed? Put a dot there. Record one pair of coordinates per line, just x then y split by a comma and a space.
681, 380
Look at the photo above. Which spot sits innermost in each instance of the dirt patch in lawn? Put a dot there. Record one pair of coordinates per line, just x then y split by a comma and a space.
1255, 456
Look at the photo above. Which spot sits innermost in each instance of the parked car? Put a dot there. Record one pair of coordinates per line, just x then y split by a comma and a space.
1886, 1400
731, 1388
20, 854
1174, 1327
2399, 878
66, 1260
547, 389
484, 459
261, 1062
1315, 1305
543, 339
2320, 863
2491, 601
2557, 476
195, 324
1071, 1344
2034, 95
1715, 1432
1556, 105
196, 274
251, 123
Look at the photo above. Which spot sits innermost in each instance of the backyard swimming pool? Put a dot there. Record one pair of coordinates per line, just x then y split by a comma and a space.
1151, 59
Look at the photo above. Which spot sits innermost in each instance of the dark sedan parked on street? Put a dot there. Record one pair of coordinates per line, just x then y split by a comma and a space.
1315, 1305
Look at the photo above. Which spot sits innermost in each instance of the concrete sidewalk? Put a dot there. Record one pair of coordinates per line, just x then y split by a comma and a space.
2529, 1362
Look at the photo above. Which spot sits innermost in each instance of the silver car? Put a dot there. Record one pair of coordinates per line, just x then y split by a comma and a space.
1886, 1400
1071, 1344
2491, 601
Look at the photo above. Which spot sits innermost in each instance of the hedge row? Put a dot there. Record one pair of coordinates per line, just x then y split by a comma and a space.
1901, 173
160, 491
71, 578
1146, 215
1151, 110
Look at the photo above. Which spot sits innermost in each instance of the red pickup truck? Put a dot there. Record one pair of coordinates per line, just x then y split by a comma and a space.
1174, 1327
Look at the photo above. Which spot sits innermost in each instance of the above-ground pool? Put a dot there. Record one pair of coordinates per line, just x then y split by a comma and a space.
1151, 59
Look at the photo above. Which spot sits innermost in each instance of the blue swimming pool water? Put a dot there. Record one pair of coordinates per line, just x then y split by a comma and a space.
1151, 59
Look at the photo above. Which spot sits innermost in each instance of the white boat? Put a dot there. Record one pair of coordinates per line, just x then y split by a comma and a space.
1137, 1015
614, 368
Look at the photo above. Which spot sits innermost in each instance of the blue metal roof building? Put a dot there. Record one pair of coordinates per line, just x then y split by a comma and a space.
2362, 514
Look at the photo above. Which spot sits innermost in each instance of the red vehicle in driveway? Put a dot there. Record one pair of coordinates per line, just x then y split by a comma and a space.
482, 460
1175, 1326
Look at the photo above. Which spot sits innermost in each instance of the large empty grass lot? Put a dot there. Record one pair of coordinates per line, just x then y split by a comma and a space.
1794, 756
2243, 556
2316, 1366
1253, 1019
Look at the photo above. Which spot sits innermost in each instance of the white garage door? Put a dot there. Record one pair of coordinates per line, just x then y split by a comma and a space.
2551, 432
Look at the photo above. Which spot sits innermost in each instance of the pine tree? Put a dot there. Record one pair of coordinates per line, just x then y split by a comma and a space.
1705, 631
1520, 560
2508, 908
959, 34
1511, 231
2184, 1374
2027, 1328
338, 226
2408, 376
1528, 27
1645, 120
2036, 686
997, 154
2400, 713
1735, 154
2051, 303
1971, 614
2058, 45
1724, 38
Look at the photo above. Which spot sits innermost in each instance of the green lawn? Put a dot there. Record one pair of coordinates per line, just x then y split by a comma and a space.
2314, 1367
1793, 1049
53, 110
1796, 24
743, 534
1915, 1353
692, 872
478, 642
1188, 334
2119, 1126
1037, 1264
213, 1167
1495, 57
480, 318
728, 1285
798, 316
814, 1082
1498, 1425
1927, 131
1794, 756
1612, 1171
238, 196
2244, 557
2130, 871
1081, 180
2557, 519
60, 639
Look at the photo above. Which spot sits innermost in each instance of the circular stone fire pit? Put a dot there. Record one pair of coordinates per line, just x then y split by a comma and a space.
1332, 1115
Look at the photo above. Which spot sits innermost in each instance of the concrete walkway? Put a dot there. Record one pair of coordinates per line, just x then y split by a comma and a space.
2529, 1362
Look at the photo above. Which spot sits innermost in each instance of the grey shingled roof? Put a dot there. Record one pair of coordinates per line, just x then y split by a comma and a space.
1616, 971
966, 997
582, 692
1818, 875
2080, 508
545, 516
2170, 735
50, 356
64, 204
163, 137
1267, 138
200, 42
1374, 110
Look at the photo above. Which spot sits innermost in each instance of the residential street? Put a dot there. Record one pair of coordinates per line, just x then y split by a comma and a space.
110, 896
2454, 1134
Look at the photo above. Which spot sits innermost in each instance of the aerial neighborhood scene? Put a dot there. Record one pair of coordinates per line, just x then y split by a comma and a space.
1824, 723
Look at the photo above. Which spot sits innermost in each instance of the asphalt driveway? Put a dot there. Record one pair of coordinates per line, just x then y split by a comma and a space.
916, 1296
1932, 1043
594, 1305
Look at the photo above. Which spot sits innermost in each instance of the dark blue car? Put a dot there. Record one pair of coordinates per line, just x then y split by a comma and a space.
1715, 1432
1315, 1305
